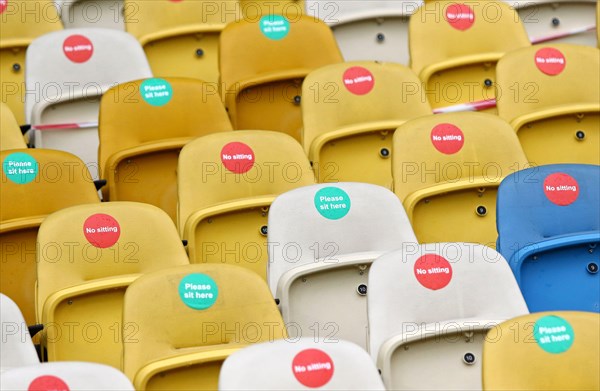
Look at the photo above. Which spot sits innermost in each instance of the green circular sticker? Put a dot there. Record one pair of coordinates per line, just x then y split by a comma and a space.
553, 334
20, 167
157, 92
198, 291
332, 203
274, 27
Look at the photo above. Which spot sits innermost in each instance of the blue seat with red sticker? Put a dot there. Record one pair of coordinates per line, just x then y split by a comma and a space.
548, 221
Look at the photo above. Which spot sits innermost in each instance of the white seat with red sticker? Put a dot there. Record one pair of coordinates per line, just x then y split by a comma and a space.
297, 364
65, 376
430, 307
322, 240
91, 13
16, 347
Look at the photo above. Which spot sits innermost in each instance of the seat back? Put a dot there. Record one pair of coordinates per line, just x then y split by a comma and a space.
547, 350
446, 170
350, 112
142, 127
17, 348
429, 305
554, 124
262, 65
10, 132
21, 21
287, 365
191, 310
555, 264
91, 13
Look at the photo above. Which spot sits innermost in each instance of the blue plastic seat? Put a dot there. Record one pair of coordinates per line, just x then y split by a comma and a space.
548, 221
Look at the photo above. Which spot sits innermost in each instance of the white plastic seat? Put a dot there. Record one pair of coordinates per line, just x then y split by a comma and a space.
16, 347
91, 13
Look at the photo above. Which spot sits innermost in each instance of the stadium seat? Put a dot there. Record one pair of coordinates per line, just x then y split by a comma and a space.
373, 30
181, 38
89, 254
447, 169
551, 97
322, 240
10, 132
350, 112
16, 347
91, 13
226, 184
256, 9
189, 319
262, 65
299, 364
470, 38
430, 307
565, 21
549, 230
35, 183
74, 68
552, 351
65, 376
142, 127
21, 21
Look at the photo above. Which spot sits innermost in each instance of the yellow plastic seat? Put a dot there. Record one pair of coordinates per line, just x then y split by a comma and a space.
10, 132
189, 319
447, 169
256, 9
551, 97
226, 184
554, 21
350, 112
21, 21
454, 48
48, 181
262, 65
543, 351
91, 13
140, 137
89, 255
181, 38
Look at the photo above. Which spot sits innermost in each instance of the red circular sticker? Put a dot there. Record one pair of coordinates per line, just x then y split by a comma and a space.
561, 189
460, 16
550, 61
3, 5
48, 383
312, 368
433, 271
78, 48
237, 157
447, 138
101, 230
359, 80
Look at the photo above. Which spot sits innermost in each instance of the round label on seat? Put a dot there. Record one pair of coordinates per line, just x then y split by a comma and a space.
3, 5
313, 368
237, 157
550, 61
20, 168
156, 92
48, 383
561, 189
332, 203
553, 334
274, 27
101, 230
433, 271
447, 138
460, 16
78, 48
198, 291
359, 80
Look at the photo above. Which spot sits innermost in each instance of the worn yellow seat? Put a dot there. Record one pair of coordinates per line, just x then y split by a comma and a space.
262, 65
551, 97
48, 181
447, 169
10, 132
543, 351
89, 254
226, 184
350, 112
255, 9
189, 319
142, 127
